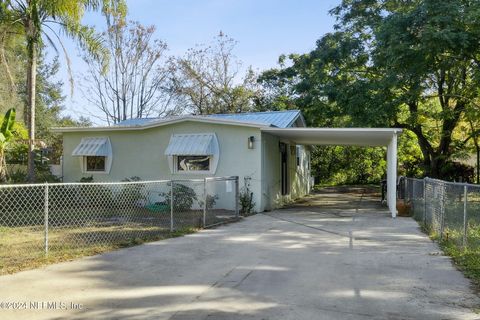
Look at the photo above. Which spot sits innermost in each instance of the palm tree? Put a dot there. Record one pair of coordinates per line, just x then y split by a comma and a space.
40, 20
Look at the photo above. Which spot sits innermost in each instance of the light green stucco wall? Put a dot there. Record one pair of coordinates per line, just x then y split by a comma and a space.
271, 174
141, 153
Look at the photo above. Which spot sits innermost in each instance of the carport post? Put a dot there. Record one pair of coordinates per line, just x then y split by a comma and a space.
392, 175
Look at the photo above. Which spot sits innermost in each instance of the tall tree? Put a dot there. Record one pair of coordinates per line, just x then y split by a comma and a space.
408, 64
136, 84
41, 20
207, 79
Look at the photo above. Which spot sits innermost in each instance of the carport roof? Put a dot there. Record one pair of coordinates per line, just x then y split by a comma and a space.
373, 137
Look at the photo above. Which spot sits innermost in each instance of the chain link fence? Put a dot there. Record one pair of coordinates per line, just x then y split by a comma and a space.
72, 219
450, 211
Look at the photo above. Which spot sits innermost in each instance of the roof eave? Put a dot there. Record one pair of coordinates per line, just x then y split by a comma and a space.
162, 123
299, 115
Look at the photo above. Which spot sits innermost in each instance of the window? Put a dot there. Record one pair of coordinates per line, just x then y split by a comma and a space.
192, 163
95, 163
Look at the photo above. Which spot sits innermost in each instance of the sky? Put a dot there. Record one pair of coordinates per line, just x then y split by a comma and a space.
264, 29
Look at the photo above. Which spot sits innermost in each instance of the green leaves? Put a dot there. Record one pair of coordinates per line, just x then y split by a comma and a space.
410, 64
6, 129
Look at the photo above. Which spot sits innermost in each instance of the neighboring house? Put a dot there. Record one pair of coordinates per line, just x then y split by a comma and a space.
192, 147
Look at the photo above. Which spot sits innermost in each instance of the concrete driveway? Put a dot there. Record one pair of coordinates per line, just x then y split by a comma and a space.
332, 256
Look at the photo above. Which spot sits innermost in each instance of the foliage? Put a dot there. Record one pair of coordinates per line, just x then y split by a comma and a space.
409, 64
183, 197
455, 171
136, 83
335, 165
6, 136
246, 197
205, 79
86, 179
35, 20
50, 108
211, 201
467, 258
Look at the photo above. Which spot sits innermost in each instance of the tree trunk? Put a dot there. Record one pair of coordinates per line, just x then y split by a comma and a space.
31, 93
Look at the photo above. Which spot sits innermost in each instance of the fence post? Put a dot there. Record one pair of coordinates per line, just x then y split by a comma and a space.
171, 205
425, 202
442, 210
405, 191
465, 223
237, 198
45, 213
204, 202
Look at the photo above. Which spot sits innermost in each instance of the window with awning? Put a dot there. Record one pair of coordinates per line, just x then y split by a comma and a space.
193, 153
95, 154
200, 144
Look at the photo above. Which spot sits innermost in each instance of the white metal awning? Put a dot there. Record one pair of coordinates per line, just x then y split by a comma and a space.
97, 146
191, 144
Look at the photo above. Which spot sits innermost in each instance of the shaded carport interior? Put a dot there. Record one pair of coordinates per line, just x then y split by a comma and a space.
363, 137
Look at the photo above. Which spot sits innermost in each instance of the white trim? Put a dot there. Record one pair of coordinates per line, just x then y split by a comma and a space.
375, 137
163, 122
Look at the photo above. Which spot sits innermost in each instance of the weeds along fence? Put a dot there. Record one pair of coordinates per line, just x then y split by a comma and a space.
64, 218
449, 211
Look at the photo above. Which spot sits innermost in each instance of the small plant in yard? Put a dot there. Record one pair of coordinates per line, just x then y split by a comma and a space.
183, 197
211, 201
86, 179
465, 258
246, 197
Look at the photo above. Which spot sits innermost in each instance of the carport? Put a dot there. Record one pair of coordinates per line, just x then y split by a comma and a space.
365, 137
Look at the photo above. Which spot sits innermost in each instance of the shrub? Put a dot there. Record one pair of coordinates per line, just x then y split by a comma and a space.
211, 201
246, 197
183, 197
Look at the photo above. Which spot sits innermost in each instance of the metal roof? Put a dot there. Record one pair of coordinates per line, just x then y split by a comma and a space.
279, 119
136, 122
191, 144
93, 147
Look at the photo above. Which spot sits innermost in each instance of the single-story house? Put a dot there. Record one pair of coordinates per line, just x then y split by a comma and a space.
269, 150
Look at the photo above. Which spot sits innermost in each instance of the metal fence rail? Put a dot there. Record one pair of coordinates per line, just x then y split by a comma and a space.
450, 211
66, 218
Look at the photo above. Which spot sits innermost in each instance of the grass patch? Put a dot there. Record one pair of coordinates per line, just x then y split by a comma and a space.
77, 233
465, 258
22, 248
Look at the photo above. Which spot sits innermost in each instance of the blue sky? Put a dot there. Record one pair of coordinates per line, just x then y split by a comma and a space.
264, 29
